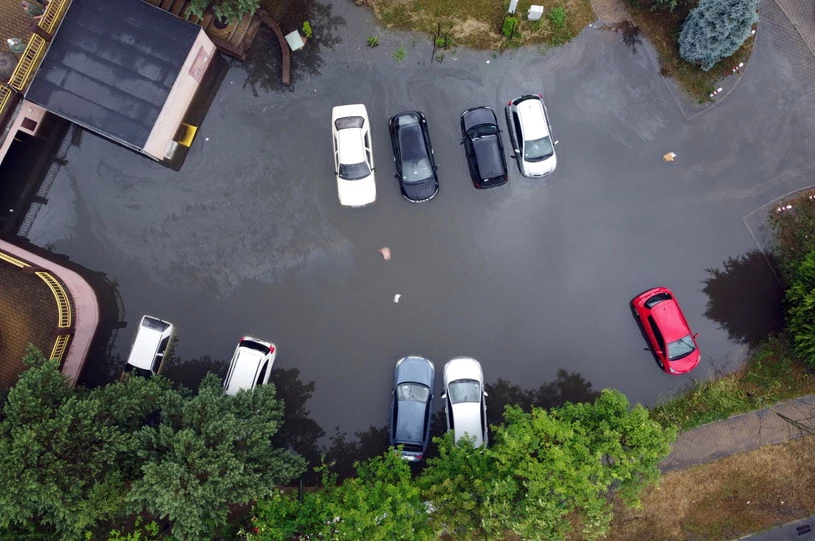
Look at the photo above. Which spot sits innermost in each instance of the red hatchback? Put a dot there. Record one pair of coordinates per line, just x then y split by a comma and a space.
667, 330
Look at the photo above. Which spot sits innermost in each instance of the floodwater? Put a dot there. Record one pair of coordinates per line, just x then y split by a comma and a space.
530, 278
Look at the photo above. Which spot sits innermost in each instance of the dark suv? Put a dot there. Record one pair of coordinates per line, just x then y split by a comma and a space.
410, 410
483, 146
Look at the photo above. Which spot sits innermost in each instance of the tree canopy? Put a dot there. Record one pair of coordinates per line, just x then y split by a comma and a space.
715, 29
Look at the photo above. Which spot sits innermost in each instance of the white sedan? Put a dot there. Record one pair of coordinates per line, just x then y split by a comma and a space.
464, 406
353, 156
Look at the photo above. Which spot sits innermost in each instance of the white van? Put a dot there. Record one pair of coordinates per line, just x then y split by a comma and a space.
147, 354
251, 365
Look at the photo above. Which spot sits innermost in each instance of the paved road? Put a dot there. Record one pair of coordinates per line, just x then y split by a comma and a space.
530, 278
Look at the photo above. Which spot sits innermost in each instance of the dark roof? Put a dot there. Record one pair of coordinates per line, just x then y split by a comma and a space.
111, 66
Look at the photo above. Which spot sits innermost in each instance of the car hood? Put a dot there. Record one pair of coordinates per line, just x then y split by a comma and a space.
410, 422
686, 364
467, 420
488, 154
420, 191
357, 193
541, 168
415, 369
476, 117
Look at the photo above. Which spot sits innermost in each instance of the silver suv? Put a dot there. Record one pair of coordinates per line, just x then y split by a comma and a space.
531, 136
251, 365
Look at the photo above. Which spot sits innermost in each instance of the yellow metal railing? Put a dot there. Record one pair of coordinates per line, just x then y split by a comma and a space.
53, 15
28, 63
6, 96
60, 345
63, 304
13, 260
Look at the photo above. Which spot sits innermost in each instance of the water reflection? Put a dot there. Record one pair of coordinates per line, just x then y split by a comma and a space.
262, 64
342, 452
299, 432
744, 298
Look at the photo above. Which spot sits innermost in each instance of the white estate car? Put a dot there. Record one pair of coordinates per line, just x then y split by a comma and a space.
353, 155
464, 406
531, 135
251, 365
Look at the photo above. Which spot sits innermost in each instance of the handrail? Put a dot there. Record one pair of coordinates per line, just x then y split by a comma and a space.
63, 303
60, 346
13, 260
28, 63
53, 15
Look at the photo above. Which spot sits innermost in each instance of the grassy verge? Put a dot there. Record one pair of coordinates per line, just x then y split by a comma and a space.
477, 23
662, 29
725, 499
773, 373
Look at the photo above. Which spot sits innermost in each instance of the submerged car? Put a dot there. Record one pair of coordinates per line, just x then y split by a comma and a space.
149, 347
410, 409
464, 406
531, 136
413, 156
482, 144
667, 330
251, 365
353, 157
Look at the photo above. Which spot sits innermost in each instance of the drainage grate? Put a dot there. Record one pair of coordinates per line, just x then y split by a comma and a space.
803, 530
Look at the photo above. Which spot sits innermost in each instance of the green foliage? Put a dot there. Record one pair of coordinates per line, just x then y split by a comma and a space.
373, 41
773, 373
79, 457
307, 30
231, 10
669, 5
800, 299
142, 532
399, 54
553, 464
715, 29
509, 28
381, 503
456, 483
557, 16
793, 234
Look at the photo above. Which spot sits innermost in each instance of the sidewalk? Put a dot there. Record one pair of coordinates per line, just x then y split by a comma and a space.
784, 421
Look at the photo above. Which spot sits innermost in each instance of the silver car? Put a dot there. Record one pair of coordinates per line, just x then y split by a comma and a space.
464, 406
531, 136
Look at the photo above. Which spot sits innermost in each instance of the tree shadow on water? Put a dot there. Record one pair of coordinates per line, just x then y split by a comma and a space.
263, 64
745, 298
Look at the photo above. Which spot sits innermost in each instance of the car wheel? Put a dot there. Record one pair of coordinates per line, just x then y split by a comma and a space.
659, 362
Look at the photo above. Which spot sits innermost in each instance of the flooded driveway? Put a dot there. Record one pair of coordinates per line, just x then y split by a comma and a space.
529, 278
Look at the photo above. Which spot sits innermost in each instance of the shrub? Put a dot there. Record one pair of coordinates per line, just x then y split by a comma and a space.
307, 30
373, 41
510, 27
399, 54
557, 16
800, 298
715, 30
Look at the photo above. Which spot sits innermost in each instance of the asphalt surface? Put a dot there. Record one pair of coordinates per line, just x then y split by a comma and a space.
529, 278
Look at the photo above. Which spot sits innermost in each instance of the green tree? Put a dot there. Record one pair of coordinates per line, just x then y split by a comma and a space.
800, 300
456, 484
715, 29
230, 10
381, 503
554, 464
208, 452
73, 458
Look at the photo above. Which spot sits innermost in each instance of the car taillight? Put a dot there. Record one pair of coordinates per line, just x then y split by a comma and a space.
271, 349
509, 102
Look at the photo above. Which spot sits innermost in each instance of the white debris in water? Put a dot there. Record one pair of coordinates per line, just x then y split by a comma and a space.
386, 253
397, 297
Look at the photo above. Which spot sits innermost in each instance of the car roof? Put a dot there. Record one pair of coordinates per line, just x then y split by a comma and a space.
467, 419
488, 154
350, 146
410, 422
533, 121
411, 142
246, 368
670, 320
148, 338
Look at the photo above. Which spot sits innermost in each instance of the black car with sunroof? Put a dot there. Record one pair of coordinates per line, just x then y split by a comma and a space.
482, 144
413, 155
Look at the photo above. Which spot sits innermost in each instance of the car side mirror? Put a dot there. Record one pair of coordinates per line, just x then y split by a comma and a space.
486, 394
443, 395
695, 335
517, 151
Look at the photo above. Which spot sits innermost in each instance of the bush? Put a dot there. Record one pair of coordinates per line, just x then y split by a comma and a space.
557, 16
399, 54
715, 30
793, 233
307, 30
800, 299
373, 41
510, 27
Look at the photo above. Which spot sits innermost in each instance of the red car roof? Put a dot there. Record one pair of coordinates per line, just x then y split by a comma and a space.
670, 320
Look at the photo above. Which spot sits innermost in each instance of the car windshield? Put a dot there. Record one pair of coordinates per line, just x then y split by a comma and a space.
465, 390
681, 348
539, 149
349, 122
482, 130
354, 171
416, 171
412, 391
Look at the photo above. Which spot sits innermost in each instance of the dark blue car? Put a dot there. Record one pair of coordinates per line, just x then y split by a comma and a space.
413, 155
410, 410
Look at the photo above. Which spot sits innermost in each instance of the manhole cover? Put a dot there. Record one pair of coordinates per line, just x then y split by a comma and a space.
7, 64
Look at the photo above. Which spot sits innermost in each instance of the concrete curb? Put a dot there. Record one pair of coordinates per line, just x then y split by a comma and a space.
86, 309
